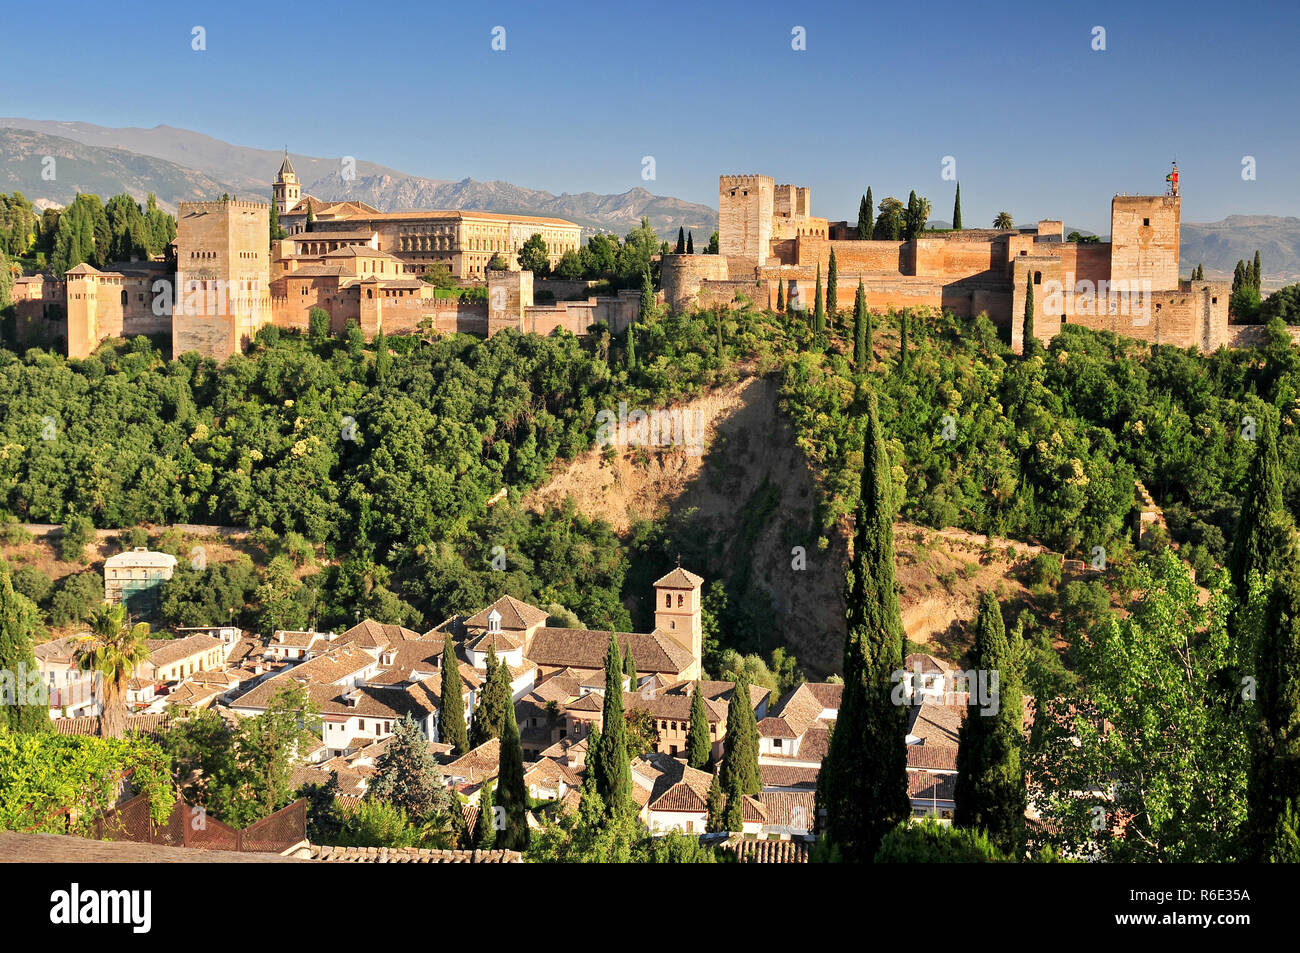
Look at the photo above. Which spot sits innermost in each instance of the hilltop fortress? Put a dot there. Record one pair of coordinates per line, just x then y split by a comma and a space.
768, 238
220, 284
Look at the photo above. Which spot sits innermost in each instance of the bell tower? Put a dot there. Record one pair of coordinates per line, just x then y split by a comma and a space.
286, 188
678, 613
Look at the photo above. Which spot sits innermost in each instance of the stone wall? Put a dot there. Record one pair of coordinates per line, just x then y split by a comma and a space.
1144, 235
745, 208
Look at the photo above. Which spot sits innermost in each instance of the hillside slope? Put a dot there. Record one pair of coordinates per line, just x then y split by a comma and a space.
755, 492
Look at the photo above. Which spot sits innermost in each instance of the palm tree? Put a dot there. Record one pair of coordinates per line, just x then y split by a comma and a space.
1003, 220
923, 210
113, 647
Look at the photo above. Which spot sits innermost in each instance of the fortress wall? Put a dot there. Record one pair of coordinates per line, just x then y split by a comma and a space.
682, 275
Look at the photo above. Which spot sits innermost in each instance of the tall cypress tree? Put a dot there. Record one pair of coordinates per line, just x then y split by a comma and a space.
864, 218
699, 749
647, 296
717, 807
990, 790
1261, 497
1256, 276
489, 713
910, 216
1030, 341
681, 241
451, 713
485, 829
1273, 789
780, 296
18, 622
1238, 276
862, 786
629, 666
832, 291
690, 243
819, 311
629, 346
613, 771
740, 746
956, 210
861, 357
511, 792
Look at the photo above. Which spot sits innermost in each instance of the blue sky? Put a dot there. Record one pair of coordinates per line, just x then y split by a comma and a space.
1039, 123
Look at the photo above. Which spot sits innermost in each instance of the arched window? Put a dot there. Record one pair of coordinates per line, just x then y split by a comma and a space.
680, 600
668, 600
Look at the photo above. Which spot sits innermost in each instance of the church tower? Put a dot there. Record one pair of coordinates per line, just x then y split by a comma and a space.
286, 189
678, 613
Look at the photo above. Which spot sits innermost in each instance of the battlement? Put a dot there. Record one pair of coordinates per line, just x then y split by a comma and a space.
741, 181
182, 207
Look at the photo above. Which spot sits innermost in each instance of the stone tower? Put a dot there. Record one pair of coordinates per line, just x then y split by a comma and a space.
745, 208
223, 276
678, 613
286, 189
1144, 239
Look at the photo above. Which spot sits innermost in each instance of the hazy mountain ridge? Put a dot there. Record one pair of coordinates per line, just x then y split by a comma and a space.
165, 160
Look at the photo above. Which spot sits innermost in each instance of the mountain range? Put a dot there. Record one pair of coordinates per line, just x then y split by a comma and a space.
183, 165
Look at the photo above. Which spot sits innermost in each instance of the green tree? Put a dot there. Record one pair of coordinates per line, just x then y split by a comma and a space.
113, 648
311, 216
318, 325
819, 310
629, 346
864, 217
739, 770
680, 248
1003, 220
496, 263
629, 666
451, 711
511, 792
861, 331
717, 807
956, 210
690, 244
862, 786
1029, 338
490, 712
647, 296
902, 340
406, 775
780, 296
78, 531
990, 790
18, 625
890, 221
699, 748
570, 266
533, 256
1273, 791
1148, 736
613, 773
712, 247
832, 292
1261, 496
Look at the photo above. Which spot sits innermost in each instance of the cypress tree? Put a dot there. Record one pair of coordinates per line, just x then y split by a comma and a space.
864, 217
699, 749
819, 311
489, 714
311, 216
1261, 497
909, 217
647, 296
629, 346
629, 666
1273, 789
1256, 275
862, 786
717, 806
990, 791
485, 830
861, 358
1030, 341
832, 290
613, 772
18, 622
1238, 276
451, 713
956, 210
733, 814
690, 244
740, 746
780, 296
511, 791
383, 358
681, 241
